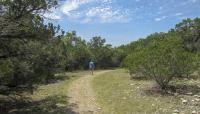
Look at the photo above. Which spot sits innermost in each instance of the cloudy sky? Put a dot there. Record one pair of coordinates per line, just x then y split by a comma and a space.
122, 21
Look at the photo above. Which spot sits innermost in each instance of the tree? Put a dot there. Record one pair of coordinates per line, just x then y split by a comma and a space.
30, 51
103, 52
164, 59
118, 56
189, 29
77, 55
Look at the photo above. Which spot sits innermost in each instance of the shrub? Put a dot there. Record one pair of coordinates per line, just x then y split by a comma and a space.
135, 62
164, 59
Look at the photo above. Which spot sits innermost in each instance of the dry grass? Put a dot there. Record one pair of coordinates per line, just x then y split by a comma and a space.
47, 99
120, 95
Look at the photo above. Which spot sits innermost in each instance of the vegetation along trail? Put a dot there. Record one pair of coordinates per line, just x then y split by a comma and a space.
82, 98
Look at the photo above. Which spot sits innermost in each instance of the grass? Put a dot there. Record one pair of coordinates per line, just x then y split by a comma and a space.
47, 99
59, 88
117, 94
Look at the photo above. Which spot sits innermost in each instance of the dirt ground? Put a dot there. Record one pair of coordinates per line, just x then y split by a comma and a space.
82, 98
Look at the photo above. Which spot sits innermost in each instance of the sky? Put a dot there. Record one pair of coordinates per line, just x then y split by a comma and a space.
121, 21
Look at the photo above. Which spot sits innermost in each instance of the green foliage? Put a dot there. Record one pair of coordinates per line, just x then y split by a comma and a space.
103, 52
189, 29
6, 70
133, 61
118, 56
77, 55
39, 66
48, 60
30, 51
163, 56
78, 52
164, 59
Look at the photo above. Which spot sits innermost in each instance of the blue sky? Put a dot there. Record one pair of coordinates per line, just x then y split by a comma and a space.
121, 21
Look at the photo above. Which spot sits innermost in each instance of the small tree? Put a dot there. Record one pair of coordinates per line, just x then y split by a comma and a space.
135, 62
164, 59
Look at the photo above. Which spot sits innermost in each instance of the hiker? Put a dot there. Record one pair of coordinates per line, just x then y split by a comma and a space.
91, 66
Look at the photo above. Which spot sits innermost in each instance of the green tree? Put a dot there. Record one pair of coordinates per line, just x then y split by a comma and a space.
76, 51
164, 59
103, 52
189, 29
30, 51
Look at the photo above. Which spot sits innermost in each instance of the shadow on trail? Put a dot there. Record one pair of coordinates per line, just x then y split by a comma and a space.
49, 105
14, 102
58, 78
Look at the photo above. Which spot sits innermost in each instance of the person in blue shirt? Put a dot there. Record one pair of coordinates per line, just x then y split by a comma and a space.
91, 66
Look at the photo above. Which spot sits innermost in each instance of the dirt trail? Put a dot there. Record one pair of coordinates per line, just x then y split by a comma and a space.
81, 96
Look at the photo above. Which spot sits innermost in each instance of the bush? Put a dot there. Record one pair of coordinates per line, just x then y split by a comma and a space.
6, 71
164, 59
39, 64
135, 62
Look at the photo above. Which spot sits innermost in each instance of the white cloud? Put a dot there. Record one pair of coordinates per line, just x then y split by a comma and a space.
108, 14
52, 16
160, 18
178, 14
71, 5
106, 1
100, 11
74, 15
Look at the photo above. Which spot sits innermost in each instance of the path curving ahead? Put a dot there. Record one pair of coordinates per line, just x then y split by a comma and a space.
81, 96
